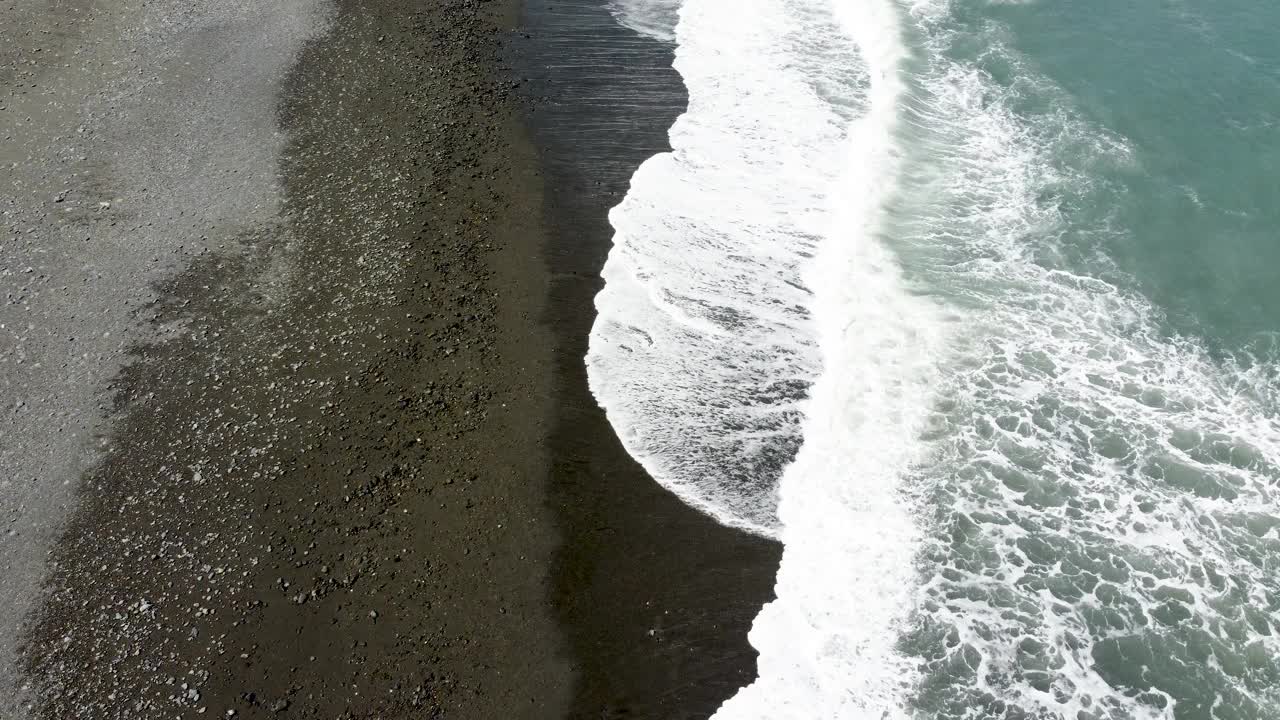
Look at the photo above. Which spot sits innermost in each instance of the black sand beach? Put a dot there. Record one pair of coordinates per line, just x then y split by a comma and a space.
351, 467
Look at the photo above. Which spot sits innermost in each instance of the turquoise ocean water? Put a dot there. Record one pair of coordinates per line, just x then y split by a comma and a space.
974, 306
1123, 439
1194, 90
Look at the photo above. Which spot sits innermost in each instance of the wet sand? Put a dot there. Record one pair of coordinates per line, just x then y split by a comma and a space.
656, 598
350, 467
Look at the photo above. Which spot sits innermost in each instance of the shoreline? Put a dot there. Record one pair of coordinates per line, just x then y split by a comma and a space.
656, 597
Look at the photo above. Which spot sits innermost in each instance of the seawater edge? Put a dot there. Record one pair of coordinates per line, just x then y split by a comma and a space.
657, 598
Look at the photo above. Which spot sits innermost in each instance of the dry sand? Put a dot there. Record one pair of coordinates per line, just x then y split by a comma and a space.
118, 166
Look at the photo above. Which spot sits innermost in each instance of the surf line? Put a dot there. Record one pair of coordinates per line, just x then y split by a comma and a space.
846, 583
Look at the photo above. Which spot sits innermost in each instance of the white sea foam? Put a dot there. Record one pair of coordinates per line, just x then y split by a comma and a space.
766, 214
1099, 487
828, 642
704, 345
654, 18
1091, 501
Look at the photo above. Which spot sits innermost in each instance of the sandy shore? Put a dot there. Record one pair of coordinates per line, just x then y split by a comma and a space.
319, 440
318, 496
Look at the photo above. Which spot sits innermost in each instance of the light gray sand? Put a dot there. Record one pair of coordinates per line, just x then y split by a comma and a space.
133, 136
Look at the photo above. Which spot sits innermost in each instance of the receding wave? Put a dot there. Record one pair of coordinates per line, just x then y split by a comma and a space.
705, 347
